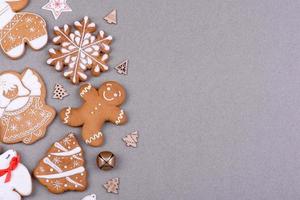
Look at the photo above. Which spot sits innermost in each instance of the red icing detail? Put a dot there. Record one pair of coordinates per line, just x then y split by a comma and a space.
12, 166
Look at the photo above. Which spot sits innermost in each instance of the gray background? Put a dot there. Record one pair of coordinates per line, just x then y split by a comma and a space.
213, 89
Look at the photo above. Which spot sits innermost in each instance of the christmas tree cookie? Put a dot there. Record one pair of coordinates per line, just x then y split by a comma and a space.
63, 167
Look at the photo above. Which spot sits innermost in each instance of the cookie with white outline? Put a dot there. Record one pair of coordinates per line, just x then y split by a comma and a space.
62, 169
20, 28
100, 106
15, 179
24, 114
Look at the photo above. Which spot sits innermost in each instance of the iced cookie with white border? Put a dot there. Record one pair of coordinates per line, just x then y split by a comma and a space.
62, 169
24, 114
15, 179
90, 197
100, 106
19, 28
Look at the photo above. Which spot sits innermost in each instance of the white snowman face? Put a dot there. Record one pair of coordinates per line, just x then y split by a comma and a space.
6, 157
10, 88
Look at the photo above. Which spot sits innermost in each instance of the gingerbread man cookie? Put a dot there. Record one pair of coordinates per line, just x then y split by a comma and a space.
24, 115
15, 179
100, 106
16, 29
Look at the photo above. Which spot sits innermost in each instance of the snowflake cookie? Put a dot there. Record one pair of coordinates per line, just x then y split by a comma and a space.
80, 50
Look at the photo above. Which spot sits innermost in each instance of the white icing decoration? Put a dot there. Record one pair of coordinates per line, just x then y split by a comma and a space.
68, 153
61, 174
85, 90
59, 146
94, 137
67, 115
20, 182
121, 114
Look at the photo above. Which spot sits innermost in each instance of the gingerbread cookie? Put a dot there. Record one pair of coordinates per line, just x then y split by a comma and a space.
80, 51
100, 106
15, 180
63, 167
17, 29
24, 114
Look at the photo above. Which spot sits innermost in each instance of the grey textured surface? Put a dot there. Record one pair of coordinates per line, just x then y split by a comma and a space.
213, 88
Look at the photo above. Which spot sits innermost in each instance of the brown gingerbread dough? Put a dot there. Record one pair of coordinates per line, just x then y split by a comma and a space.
18, 5
100, 106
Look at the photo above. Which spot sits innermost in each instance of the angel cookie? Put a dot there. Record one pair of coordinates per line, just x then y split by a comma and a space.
24, 115
16, 29
99, 106
62, 169
15, 179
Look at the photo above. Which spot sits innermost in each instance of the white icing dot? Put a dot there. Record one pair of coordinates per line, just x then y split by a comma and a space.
115, 94
47, 180
76, 186
49, 156
65, 166
108, 88
51, 170
81, 174
71, 158
66, 185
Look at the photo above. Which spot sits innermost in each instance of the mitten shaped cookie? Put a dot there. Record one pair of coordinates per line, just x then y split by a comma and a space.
16, 29
99, 106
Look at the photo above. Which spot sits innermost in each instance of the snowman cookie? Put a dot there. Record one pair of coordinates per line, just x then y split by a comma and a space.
24, 115
18, 28
15, 179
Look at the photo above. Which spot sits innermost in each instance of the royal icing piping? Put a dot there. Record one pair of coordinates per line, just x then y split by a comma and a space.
61, 174
121, 114
94, 137
59, 146
85, 90
68, 153
67, 116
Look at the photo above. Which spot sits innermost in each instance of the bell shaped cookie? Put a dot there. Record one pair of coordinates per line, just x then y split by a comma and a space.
24, 114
